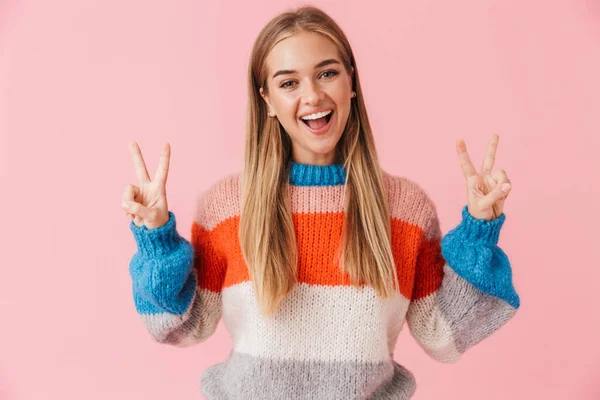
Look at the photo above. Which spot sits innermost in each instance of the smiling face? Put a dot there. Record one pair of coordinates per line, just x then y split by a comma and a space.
306, 76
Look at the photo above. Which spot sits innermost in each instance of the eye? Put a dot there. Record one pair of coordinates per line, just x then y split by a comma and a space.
332, 72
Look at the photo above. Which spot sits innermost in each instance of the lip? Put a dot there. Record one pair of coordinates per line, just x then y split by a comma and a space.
324, 129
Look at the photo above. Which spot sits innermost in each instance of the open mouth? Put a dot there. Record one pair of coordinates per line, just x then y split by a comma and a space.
316, 124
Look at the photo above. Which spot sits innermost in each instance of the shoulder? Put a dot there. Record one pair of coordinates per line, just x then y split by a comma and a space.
409, 202
219, 201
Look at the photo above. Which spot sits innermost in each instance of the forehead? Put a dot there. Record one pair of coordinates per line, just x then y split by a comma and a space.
301, 52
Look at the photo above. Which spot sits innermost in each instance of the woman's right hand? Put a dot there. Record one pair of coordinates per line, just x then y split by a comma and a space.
147, 203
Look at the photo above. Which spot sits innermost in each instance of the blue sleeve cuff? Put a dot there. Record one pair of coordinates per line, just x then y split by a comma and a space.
471, 251
479, 230
152, 243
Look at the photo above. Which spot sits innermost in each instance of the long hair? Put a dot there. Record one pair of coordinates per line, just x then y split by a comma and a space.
266, 229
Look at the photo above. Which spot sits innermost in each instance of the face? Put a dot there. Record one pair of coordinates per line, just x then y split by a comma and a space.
306, 76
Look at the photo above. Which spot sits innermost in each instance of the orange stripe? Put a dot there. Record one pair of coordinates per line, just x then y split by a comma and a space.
430, 269
318, 236
406, 239
208, 261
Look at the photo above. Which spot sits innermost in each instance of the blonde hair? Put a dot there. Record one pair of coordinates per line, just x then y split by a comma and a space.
266, 229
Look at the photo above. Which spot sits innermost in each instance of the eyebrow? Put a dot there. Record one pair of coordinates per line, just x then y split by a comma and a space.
319, 65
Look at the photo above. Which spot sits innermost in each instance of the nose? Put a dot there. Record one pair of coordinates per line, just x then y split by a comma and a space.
312, 93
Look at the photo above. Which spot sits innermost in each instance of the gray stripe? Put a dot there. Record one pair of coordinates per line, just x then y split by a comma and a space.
472, 315
246, 377
204, 317
197, 324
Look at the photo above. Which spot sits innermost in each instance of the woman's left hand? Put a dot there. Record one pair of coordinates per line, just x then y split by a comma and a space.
485, 194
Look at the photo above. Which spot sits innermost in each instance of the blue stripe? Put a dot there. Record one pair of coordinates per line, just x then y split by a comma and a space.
471, 250
317, 175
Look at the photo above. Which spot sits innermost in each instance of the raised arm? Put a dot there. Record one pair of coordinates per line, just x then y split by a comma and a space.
463, 288
176, 284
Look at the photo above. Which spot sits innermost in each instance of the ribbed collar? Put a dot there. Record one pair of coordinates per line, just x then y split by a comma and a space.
317, 175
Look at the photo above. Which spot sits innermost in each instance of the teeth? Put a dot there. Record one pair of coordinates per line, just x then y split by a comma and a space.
317, 115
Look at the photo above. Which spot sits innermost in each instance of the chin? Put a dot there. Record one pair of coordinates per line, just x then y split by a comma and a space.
322, 150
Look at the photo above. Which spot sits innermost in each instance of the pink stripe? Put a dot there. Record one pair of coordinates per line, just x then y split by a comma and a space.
408, 201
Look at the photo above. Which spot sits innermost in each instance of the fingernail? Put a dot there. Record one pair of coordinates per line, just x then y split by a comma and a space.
505, 187
125, 205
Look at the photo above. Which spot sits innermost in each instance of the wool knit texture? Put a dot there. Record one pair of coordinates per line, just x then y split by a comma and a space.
327, 339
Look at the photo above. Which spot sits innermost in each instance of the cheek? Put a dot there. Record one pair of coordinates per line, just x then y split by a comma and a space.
343, 103
341, 97
342, 88
286, 108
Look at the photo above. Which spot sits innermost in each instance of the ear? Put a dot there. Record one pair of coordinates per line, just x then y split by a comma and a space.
265, 97
262, 94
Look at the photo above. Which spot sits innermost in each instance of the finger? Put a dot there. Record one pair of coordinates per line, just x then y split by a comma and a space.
465, 160
163, 165
506, 180
490, 155
138, 162
490, 182
493, 180
137, 209
130, 192
129, 195
496, 195
500, 176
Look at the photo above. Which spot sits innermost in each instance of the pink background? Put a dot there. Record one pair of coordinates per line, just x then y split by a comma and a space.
79, 79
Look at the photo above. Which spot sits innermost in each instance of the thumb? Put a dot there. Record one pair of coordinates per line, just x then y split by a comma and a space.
500, 191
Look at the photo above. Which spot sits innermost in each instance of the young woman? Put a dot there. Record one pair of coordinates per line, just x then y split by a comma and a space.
313, 255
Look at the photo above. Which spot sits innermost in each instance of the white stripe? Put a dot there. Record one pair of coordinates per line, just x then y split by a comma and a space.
321, 323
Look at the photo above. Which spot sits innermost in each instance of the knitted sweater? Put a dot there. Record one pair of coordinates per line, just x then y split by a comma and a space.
328, 339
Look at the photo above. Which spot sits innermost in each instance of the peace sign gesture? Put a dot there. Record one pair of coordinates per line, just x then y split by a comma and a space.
486, 192
146, 204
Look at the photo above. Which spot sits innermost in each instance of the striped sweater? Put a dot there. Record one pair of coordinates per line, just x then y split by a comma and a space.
328, 339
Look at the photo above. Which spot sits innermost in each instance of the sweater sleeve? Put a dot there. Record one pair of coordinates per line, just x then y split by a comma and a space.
463, 290
176, 283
